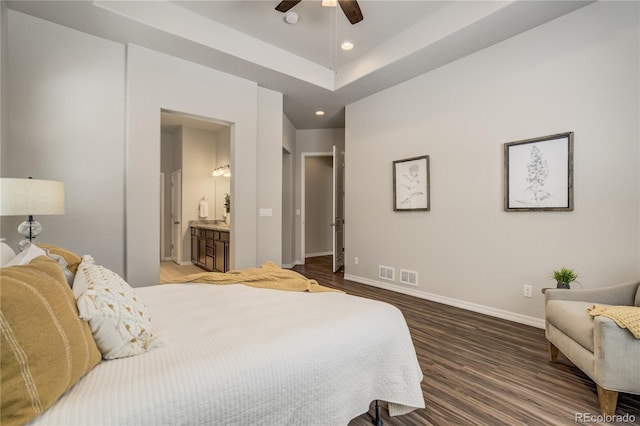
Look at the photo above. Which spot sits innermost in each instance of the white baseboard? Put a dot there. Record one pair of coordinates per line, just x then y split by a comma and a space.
322, 253
288, 265
487, 310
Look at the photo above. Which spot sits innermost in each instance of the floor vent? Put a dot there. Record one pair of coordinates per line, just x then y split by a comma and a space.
386, 273
408, 277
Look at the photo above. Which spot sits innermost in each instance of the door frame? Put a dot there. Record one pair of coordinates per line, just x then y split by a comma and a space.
176, 201
303, 178
162, 217
337, 246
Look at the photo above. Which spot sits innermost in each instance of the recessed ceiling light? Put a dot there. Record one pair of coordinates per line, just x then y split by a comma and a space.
347, 45
319, 112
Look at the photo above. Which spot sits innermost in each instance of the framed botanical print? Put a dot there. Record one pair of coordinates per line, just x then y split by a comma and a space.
411, 184
538, 174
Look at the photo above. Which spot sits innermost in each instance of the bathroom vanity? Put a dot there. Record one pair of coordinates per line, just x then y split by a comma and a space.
210, 245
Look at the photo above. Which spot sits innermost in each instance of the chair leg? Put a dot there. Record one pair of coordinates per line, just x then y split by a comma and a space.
608, 401
553, 352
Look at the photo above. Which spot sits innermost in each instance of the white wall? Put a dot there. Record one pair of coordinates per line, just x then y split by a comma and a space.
66, 122
578, 73
199, 148
310, 141
223, 184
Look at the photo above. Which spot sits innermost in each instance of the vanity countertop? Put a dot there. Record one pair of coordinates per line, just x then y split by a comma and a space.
216, 225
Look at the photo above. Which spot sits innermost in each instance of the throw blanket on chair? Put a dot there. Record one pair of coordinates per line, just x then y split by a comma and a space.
269, 275
625, 316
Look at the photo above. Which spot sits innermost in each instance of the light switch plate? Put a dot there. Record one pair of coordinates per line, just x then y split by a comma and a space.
266, 212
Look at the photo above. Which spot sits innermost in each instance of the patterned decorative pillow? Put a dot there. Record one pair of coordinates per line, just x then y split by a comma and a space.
45, 347
118, 318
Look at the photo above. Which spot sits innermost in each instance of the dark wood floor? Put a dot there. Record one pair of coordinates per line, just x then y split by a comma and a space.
481, 370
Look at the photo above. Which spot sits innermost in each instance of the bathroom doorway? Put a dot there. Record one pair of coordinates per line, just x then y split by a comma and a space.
192, 148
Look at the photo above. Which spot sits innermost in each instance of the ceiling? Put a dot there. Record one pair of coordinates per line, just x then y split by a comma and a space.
396, 41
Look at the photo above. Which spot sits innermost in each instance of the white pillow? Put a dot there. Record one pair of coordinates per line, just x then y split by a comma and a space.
6, 254
27, 255
118, 318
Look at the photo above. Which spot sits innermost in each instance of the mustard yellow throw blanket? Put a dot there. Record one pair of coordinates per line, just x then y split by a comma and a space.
625, 316
269, 275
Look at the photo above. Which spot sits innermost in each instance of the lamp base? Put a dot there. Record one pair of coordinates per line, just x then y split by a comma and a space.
29, 229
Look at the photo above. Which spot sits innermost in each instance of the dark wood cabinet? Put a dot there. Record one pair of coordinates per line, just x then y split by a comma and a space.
210, 249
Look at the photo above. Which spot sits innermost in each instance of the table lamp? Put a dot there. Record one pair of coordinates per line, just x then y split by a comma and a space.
30, 197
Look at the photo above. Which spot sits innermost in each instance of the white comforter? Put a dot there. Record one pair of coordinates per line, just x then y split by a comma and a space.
236, 355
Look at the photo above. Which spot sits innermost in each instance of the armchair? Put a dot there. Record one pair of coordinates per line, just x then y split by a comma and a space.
608, 354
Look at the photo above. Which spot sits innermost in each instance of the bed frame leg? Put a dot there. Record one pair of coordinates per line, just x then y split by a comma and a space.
377, 420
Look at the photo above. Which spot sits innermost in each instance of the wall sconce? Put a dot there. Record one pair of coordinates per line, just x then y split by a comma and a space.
30, 197
222, 170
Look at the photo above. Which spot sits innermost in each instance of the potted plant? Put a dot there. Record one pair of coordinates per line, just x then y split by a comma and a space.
564, 277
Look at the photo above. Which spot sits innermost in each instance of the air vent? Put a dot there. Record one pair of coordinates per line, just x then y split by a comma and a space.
408, 277
386, 273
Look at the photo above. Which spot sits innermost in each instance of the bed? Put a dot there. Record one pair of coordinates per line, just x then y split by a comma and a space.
238, 355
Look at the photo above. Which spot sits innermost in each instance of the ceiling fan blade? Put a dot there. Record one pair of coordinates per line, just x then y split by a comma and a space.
285, 5
351, 10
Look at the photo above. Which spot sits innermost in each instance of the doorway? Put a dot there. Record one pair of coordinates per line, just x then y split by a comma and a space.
191, 149
322, 202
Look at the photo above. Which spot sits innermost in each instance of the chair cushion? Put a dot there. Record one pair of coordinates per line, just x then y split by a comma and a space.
573, 319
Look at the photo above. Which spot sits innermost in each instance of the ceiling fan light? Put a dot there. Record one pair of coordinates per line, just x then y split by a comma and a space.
330, 3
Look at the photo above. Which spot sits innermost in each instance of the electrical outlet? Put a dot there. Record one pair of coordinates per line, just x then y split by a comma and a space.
356, 260
527, 291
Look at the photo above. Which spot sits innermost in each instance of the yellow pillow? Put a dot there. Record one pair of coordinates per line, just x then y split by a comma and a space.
67, 260
45, 347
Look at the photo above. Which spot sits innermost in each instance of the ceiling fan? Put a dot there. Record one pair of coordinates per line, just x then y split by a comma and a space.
349, 7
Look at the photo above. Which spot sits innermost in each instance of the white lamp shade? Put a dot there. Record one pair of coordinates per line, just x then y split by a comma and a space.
20, 197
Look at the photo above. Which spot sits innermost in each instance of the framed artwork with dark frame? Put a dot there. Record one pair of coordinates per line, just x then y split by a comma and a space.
411, 184
538, 174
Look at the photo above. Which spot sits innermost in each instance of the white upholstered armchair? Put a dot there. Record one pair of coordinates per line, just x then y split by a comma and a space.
607, 353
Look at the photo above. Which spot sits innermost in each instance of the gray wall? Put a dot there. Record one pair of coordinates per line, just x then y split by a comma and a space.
577, 73
288, 210
66, 122
166, 167
269, 169
4, 111
310, 141
318, 211
67, 98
